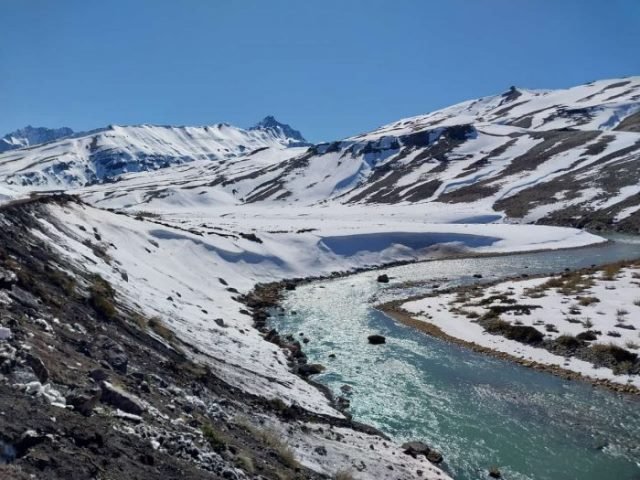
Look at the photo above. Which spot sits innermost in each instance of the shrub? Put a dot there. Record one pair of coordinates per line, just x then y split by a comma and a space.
610, 272
568, 341
588, 335
101, 296
271, 439
245, 462
214, 437
519, 333
162, 330
612, 353
586, 301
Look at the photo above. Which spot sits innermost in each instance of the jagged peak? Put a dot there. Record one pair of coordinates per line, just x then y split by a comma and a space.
270, 123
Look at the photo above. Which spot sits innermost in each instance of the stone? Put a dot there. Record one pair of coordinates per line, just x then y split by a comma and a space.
84, 401
38, 367
384, 278
416, 448
311, 369
494, 473
434, 456
5, 333
376, 339
113, 353
98, 375
322, 451
121, 399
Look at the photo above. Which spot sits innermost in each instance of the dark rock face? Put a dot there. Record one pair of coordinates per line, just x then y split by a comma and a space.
376, 339
384, 278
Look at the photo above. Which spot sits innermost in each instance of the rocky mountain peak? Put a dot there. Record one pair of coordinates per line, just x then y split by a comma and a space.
270, 123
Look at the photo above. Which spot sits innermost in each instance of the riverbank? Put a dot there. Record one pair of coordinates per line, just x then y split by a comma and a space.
581, 338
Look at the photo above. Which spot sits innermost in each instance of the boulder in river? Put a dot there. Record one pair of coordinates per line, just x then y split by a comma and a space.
310, 369
420, 448
494, 472
376, 339
384, 278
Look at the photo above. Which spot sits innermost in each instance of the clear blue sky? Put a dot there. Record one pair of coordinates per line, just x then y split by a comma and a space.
329, 68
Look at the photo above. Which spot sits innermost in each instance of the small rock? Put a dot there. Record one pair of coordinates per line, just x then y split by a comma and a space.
121, 400
98, 375
219, 322
434, 456
29, 439
322, 451
5, 333
84, 402
376, 339
38, 367
384, 278
416, 448
310, 369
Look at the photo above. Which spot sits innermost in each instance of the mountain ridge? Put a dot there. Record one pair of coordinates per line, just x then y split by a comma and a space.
546, 156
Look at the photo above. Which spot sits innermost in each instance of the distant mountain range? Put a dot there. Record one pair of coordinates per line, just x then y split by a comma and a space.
569, 157
29, 135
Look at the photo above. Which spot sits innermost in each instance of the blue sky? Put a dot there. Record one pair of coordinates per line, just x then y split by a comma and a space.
329, 68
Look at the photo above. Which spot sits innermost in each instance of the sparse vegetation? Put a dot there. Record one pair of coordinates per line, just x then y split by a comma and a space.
101, 298
586, 301
245, 462
271, 439
216, 438
157, 325
519, 333
619, 359
610, 272
632, 345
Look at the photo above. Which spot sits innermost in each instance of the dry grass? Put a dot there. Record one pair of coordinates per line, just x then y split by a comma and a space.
586, 301
160, 328
272, 439
343, 475
610, 272
215, 437
245, 462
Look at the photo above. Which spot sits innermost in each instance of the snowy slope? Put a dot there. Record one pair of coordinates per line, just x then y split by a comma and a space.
104, 155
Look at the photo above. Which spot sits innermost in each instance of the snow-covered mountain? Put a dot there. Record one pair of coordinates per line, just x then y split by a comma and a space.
270, 124
29, 136
555, 156
105, 154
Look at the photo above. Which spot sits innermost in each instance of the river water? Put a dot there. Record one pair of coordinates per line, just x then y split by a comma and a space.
480, 412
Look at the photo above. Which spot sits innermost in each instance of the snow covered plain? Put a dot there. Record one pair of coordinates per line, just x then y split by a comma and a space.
605, 302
